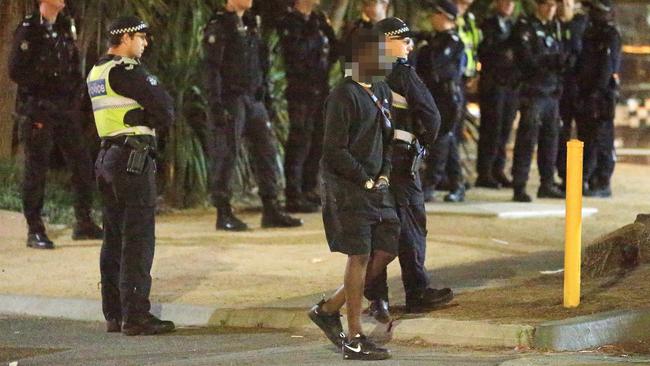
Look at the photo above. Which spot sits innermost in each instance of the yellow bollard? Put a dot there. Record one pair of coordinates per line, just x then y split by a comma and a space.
573, 226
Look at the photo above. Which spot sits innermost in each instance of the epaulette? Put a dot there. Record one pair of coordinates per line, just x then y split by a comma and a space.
126, 62
28, 20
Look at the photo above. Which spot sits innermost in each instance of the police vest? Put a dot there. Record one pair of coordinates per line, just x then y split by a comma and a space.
471, 37
109, 107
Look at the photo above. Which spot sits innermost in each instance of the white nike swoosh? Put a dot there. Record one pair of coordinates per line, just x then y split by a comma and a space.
355, 350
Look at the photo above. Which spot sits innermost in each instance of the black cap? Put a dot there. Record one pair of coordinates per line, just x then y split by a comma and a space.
602, 5
446, 7
394, 28
127, 24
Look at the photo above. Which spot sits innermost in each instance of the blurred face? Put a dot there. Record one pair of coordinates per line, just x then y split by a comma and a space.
376, 11
135, 45
505, 8
241, 5
398, 47
439, 21
463, 5
56, 4
546, 10
566, 8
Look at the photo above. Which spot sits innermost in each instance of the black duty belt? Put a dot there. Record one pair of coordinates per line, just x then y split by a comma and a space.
136, 142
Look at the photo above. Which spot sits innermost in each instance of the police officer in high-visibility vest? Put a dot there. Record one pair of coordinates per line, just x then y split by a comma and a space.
129, 105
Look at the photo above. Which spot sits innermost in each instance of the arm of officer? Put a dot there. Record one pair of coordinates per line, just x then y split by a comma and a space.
486, 50
387, 134
336, 140
423, 106
445, 64
608, 62
523, 35
21, 57
214, 46
138, 84
331, 38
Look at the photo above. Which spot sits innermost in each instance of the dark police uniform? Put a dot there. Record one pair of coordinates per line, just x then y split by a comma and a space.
440, 64
44, 62
538, 51
356, 148
597, 70
236, 71
417, 124
572, 34
309, 51
129, 105
498, 98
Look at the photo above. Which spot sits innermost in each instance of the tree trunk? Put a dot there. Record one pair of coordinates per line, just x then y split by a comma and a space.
337, 13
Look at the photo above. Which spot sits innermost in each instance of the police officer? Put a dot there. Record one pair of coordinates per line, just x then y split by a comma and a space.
471, 36
573, 29
236, 72
372, 11
416, 126
129, 105
597, 75
440, 65
44, 62
538, 51
497, 95
309, 50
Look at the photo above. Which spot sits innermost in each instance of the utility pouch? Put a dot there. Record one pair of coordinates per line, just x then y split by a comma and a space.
419, 154
137, 160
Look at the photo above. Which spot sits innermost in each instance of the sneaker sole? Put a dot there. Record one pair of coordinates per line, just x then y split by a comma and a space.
316, 320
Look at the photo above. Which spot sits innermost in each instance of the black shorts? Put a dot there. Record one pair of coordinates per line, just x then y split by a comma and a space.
358, 222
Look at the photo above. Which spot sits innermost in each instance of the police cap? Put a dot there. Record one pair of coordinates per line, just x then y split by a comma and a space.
127, 24
446, 7
393, 27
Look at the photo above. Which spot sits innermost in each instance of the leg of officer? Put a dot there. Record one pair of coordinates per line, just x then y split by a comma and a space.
548, 139
311, 168
507, 119
439, 156
606, 156
38, 147
78, 160
491, 106
299, 145
524, 147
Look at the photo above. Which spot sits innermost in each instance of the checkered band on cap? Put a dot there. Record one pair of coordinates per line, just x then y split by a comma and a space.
133, 29
397, 32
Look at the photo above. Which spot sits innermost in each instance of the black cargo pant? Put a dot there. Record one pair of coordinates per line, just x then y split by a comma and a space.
129, 223
539, 125
41, 133
568, 113
498, 105
248, 121
413, 230
438, 166
305, 144
597, 132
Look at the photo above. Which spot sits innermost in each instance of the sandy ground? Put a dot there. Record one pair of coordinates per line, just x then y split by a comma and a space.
195, 264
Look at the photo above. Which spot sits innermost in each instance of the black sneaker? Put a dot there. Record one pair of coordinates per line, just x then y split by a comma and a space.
428, 299
520, 195
330, 324
148, 325
226, 220
361, 348
457, 195
39, 241
379, 310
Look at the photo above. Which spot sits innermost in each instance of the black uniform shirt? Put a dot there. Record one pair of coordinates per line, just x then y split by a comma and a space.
538, 51
356, 145
44, 60
236, 58
135, 82
496, 52
405, 81
599, 60
308, 49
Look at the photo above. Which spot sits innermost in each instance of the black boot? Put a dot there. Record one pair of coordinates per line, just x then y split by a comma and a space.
39, 241
226, 220
147, 325
457, 195
487, 182
379, 310
298, 203
549, 190
273, 216
87, 230
520, 195
428, 299
500, 177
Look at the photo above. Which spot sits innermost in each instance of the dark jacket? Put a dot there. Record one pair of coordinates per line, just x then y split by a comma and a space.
496, 52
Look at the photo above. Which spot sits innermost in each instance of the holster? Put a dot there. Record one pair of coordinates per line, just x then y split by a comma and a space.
418, 154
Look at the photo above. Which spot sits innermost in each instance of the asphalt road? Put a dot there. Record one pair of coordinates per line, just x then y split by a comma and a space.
37, 341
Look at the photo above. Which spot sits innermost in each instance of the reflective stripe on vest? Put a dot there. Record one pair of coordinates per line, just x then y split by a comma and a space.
110, 108
471, 36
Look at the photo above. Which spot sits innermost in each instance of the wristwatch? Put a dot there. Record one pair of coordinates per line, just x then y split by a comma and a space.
369, 184
384, 178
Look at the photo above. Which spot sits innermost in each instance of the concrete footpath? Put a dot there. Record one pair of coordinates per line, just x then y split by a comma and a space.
269, 278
